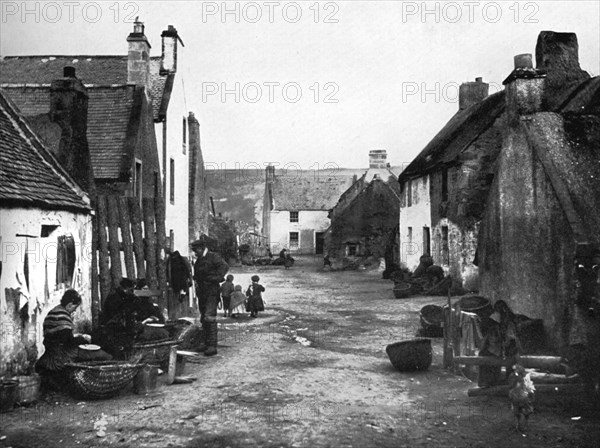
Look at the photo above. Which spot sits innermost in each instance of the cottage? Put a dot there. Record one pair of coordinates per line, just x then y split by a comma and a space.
142, 140
364, 221
45, 231
539, 239
444, 188
505, 197
296, 205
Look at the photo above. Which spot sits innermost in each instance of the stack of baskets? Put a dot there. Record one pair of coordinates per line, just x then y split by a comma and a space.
100, 379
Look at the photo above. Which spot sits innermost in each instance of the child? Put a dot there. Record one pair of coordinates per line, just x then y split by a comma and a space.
255, 301
237, 301
226, 290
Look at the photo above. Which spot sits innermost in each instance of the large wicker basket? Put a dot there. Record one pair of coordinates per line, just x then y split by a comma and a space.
152, 352
410, 355
100, 379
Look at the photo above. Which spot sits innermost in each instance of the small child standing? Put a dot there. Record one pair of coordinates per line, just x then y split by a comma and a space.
254, 294
226, 291
238, 298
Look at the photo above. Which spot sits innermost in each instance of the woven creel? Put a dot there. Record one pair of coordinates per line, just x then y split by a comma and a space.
100, 379
152, 352
410, 355
403, 290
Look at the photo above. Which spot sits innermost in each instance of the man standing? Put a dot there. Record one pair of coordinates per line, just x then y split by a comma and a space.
209, 272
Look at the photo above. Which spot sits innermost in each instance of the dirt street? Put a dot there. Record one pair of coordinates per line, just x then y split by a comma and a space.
311, 371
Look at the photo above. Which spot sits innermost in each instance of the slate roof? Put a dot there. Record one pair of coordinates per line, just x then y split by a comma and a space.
113, 112
305, 192
29, 174
460, 131
91, 70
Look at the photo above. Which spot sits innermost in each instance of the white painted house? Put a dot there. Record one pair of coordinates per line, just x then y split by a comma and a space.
45, 240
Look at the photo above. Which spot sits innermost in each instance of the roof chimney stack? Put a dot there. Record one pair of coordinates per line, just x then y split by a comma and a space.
378, 158
69, 109
138, 57
168, 62
557, 55
524, 87
470, 93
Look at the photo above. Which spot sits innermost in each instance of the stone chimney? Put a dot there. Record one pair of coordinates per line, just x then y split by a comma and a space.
69, 109
168, 62
557, 55
198, 199
270, 174
524, 87
470, 93
138, 57
377, 158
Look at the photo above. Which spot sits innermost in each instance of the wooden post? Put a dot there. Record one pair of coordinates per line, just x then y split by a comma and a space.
104, 273
448, 335
138, 236
113, 241
94, 254
126, 237
150, 242
159, 207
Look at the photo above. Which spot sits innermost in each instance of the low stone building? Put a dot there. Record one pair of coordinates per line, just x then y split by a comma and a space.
364, 221
539, 238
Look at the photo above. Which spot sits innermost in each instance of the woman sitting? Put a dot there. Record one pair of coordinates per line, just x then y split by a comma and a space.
61, 345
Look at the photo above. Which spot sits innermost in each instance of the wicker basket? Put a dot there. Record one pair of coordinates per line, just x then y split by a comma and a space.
403, 290
432, 317
411, 355
476, 304
100, 379
152, 352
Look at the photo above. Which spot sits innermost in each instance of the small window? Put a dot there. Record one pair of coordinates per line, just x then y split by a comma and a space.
294, 216
65, 259
172, 182
137, 184
351, 249
294, 240
409, 193
410, 236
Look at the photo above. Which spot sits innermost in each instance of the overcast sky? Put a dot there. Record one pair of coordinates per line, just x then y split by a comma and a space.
319, 82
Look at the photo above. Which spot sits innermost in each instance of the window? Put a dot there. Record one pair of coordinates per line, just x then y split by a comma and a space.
445, 246
445, 184
410, 235
172, 182
409, 193
65, 259
351, 249
294, 239
294, 216
426, 241
137, 182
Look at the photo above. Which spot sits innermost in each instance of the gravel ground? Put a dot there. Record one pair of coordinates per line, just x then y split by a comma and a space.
311, 371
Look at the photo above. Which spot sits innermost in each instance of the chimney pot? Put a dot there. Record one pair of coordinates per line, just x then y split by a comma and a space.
138, 27
470, 93
479, 79
523, 61
69, 72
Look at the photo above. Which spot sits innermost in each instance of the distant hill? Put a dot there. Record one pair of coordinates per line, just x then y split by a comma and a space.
238, 194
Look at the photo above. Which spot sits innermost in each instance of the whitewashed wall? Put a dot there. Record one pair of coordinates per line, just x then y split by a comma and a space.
309, 223
417, 216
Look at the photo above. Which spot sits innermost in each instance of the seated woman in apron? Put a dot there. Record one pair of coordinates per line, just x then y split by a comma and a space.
61, 345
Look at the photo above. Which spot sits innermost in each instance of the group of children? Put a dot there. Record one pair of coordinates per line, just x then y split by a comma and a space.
235, 302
